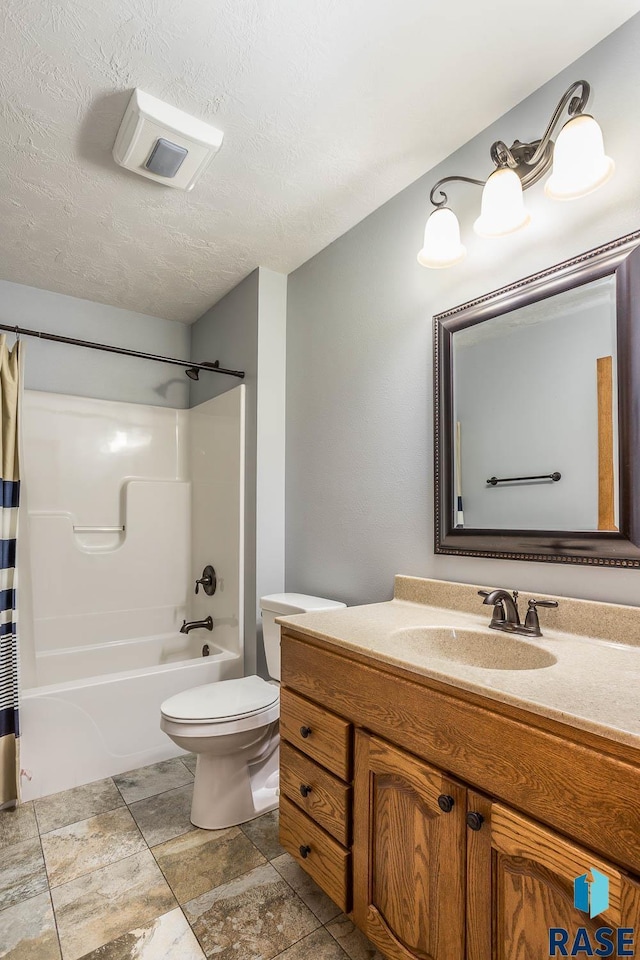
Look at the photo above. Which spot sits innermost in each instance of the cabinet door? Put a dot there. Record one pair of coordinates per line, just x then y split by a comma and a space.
521, 886
409, 860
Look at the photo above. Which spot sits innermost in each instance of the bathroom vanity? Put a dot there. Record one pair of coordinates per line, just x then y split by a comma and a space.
447, 805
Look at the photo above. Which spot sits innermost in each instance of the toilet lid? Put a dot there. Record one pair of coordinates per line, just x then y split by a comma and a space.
222, 700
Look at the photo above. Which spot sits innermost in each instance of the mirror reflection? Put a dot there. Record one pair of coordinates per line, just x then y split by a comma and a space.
536, 415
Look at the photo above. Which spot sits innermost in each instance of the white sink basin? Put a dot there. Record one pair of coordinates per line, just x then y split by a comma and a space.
474, 648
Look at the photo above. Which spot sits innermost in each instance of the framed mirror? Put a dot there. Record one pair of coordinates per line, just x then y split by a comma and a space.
537, 415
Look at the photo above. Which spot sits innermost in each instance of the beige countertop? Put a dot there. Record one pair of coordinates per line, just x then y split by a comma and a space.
594, 683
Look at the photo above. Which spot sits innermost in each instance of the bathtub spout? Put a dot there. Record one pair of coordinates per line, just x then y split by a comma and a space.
206, 624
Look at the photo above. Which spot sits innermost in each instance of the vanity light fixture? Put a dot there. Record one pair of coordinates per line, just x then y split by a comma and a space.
580, 166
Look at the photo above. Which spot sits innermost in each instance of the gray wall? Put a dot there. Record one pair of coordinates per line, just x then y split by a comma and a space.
359, 357
229, 333
88, 373
270, 443
246, 330
527, 401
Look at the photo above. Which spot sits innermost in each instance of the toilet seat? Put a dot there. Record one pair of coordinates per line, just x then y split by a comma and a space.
223, 703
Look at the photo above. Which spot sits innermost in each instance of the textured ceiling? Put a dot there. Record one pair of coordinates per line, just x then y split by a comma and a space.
329, 108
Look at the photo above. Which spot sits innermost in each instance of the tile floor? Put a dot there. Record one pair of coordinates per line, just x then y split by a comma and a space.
114, 870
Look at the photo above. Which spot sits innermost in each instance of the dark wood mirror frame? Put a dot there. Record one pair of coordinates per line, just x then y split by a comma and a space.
620, 258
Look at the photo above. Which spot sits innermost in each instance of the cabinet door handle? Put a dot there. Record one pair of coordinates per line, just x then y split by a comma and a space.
446, 803
304, 851
305, 732
305, 789
475, 820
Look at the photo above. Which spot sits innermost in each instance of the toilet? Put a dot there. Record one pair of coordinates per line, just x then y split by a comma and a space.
232, 727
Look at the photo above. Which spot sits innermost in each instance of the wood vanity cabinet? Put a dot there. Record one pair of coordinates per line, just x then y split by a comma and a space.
409, 853
447, 825
520, 884
315, 793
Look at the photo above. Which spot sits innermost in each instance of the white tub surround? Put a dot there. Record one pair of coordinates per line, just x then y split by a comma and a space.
102, 572
98, 475
126, 505
216, 470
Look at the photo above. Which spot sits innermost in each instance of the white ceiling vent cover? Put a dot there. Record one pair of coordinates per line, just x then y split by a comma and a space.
163, 143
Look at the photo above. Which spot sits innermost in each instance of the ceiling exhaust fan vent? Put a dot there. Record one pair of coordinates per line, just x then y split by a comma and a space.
163, 143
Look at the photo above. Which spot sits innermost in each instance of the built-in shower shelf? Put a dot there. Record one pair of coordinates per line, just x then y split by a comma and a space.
94, 538
79, 529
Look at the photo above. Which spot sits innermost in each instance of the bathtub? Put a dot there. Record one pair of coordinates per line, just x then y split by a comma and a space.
96, 723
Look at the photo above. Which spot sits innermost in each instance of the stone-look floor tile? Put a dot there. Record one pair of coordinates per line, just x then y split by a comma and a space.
28, 931
352, 941
22, 872
306, 888
320, 945
90, 844
204, 859
79, 803
167, 938
190, 762
164, 816
17, 825
95, 909
255, 916
263, 832
148, 781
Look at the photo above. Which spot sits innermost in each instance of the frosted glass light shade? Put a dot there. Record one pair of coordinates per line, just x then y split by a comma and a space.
580, 165
442, 247
503, 210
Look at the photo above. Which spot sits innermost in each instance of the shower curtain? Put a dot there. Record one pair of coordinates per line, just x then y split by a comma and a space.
10, 490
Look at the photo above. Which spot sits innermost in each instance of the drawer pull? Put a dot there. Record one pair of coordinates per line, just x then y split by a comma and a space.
445, 802
304, 851
305, 789
305, 732
475, 820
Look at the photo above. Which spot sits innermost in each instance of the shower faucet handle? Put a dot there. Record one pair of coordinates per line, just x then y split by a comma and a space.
208, 580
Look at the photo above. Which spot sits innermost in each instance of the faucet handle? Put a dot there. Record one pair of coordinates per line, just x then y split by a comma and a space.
205, 581
531, 620
208, 581
542, 603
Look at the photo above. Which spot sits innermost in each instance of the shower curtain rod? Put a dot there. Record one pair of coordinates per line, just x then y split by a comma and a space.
123, 351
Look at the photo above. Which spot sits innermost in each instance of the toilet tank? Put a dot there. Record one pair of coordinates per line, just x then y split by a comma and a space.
283, 605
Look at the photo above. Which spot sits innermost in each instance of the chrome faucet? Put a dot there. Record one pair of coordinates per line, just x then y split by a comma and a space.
506, 616
206, 624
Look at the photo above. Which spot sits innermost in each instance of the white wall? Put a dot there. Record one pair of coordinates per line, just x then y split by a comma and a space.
58, 368
359, 356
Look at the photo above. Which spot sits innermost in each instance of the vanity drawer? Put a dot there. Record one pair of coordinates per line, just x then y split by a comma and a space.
328, 801
316, 732
328, 863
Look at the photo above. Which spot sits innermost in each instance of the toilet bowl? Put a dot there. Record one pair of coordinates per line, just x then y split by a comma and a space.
232, 727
